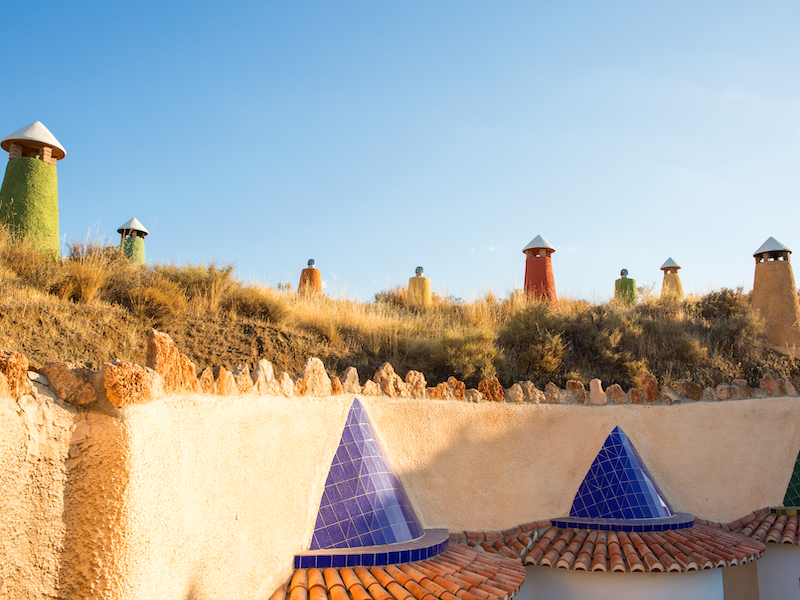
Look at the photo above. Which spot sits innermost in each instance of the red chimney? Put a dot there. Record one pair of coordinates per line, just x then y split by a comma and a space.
539, 282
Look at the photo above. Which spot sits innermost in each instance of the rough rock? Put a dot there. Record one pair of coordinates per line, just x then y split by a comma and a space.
789, 387
336, 386
286, 385
390, 382
350, 384
416, 386
615, 393
5, 392
709, 394
689, 390
573, 385
313, 380
532, 393
745, 390
596, 393
552, 393
769, 384
459, 388
263, 369
15, 367
635, 396
473, 395
273, 388
440, 392
242, 379
371, 389
189, 375
126, 383
723, 391
515, 393
158, 388
492, 390
226, 386
69, 383
669, 396
759, 393
163, 357
206, 381
649, 386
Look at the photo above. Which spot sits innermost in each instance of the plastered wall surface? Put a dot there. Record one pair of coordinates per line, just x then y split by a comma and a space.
492, 466
34, 440
223, 492
210, 497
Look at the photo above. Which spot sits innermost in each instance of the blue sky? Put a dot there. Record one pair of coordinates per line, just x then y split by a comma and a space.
378, 136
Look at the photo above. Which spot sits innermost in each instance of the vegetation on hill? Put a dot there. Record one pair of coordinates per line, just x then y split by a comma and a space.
94, 305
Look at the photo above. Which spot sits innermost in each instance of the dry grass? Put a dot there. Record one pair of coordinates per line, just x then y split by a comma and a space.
101, 305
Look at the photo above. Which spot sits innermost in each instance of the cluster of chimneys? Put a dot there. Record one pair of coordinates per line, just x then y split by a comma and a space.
29, 206
774, 293
29, 194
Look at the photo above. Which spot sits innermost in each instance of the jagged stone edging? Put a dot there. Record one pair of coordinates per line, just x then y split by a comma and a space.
169, 372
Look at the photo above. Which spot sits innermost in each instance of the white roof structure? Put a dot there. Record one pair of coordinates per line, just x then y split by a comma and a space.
133, 225
771, 245
35, 132
539, 242
670, 264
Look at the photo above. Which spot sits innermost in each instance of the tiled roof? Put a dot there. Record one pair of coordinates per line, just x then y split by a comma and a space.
766, 526
691, 549
458, 573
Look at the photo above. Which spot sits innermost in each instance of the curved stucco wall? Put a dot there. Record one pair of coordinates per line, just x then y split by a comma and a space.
210, 497
34, 440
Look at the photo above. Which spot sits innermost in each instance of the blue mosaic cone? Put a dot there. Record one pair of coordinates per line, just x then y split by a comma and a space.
618, 485
364, 503
792, 497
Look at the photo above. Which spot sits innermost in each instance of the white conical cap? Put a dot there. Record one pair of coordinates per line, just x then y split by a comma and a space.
35, 132
133, 225
539, 242
771, 245
670, 264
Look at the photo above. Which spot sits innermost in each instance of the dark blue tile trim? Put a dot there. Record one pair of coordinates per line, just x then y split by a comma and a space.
678, 521
432, 543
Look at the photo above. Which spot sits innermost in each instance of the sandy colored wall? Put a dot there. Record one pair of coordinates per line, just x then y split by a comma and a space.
34, 440
210, 497
491, 466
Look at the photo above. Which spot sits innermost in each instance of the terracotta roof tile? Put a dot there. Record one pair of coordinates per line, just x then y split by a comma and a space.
459, 573
690, 549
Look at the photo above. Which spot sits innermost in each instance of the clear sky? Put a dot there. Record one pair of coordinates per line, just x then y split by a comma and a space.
378, 136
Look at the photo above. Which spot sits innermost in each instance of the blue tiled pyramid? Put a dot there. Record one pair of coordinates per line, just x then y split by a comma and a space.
364, 503
618, 485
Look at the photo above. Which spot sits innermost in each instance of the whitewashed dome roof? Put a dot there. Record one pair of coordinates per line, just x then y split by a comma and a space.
539, 242
133, 225
670, 264
771, 245
35, 132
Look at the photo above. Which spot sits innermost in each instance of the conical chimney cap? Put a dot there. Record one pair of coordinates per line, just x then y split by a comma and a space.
670, 264
133, 225
539, 242
771, 245
35, 132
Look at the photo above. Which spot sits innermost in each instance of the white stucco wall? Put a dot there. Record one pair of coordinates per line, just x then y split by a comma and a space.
779, 573
546, 583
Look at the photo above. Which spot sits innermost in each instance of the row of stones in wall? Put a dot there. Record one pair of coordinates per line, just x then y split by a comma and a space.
169, 372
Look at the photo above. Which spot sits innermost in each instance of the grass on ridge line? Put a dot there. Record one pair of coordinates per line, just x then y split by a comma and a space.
99, 306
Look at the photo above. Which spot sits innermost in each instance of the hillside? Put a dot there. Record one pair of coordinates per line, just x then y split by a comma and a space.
94, 306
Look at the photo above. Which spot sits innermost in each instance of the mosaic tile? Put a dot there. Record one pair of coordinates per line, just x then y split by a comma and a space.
618, 485
792, 497
364, 503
